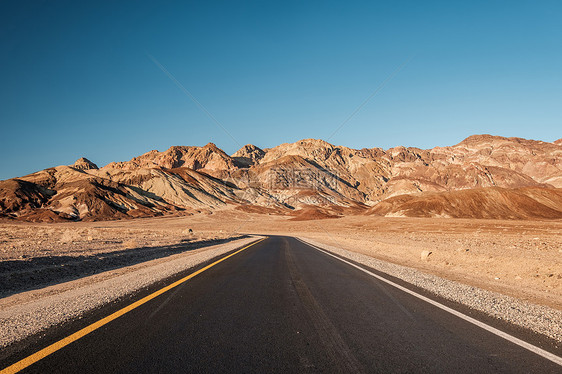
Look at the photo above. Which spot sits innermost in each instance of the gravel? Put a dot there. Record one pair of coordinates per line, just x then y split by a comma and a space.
56, 304
538, 318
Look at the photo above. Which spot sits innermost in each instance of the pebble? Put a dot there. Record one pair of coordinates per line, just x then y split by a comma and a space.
425, 254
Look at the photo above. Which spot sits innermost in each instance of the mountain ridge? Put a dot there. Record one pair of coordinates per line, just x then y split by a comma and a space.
305, 175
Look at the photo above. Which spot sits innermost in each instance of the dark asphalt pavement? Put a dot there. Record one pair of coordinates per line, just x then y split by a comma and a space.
282, 306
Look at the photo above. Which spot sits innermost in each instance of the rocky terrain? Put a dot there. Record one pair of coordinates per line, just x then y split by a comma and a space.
483, 176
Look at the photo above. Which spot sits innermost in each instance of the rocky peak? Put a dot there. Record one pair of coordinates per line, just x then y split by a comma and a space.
248, 155
315, 142
250, 151
84, 164
482, 139
311, 149
212, 146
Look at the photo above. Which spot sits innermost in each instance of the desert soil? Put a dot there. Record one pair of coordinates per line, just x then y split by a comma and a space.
33, 257
522, 259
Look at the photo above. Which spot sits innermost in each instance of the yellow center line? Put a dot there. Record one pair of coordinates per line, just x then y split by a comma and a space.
29, 360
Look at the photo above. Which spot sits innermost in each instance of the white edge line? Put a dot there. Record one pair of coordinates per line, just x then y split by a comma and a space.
539, 351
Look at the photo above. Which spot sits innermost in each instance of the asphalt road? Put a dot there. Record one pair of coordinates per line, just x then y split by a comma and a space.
283, 306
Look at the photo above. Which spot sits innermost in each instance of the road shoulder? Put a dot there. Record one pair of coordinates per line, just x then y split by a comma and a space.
28, 313
540, 319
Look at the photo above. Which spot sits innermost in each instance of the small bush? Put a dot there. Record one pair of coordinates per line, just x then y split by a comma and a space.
130, 244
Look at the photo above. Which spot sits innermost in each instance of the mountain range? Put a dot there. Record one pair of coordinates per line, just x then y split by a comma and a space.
483, 176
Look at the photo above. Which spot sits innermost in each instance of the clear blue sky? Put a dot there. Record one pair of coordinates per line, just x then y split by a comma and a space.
77, 80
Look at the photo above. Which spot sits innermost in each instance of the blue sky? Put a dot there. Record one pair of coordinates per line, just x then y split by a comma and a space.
77, 78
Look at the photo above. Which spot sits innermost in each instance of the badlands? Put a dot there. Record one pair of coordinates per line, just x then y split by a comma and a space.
483, 176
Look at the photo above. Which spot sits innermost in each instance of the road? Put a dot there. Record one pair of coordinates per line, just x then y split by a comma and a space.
283, 306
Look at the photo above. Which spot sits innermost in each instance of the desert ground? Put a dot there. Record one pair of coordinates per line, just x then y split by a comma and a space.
522, 259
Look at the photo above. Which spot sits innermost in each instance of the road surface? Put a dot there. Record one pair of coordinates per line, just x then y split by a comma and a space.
283, 306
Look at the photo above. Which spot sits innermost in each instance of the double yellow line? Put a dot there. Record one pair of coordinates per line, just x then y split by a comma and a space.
29, 360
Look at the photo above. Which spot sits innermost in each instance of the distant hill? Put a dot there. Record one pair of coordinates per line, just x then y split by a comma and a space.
483, 176
490, 203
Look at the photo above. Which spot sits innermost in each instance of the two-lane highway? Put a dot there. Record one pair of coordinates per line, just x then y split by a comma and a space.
283, 306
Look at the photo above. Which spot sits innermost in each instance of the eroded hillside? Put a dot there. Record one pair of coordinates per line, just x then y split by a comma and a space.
483, 176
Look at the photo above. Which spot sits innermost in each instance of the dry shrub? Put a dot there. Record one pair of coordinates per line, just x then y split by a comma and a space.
130, 244
69, 236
